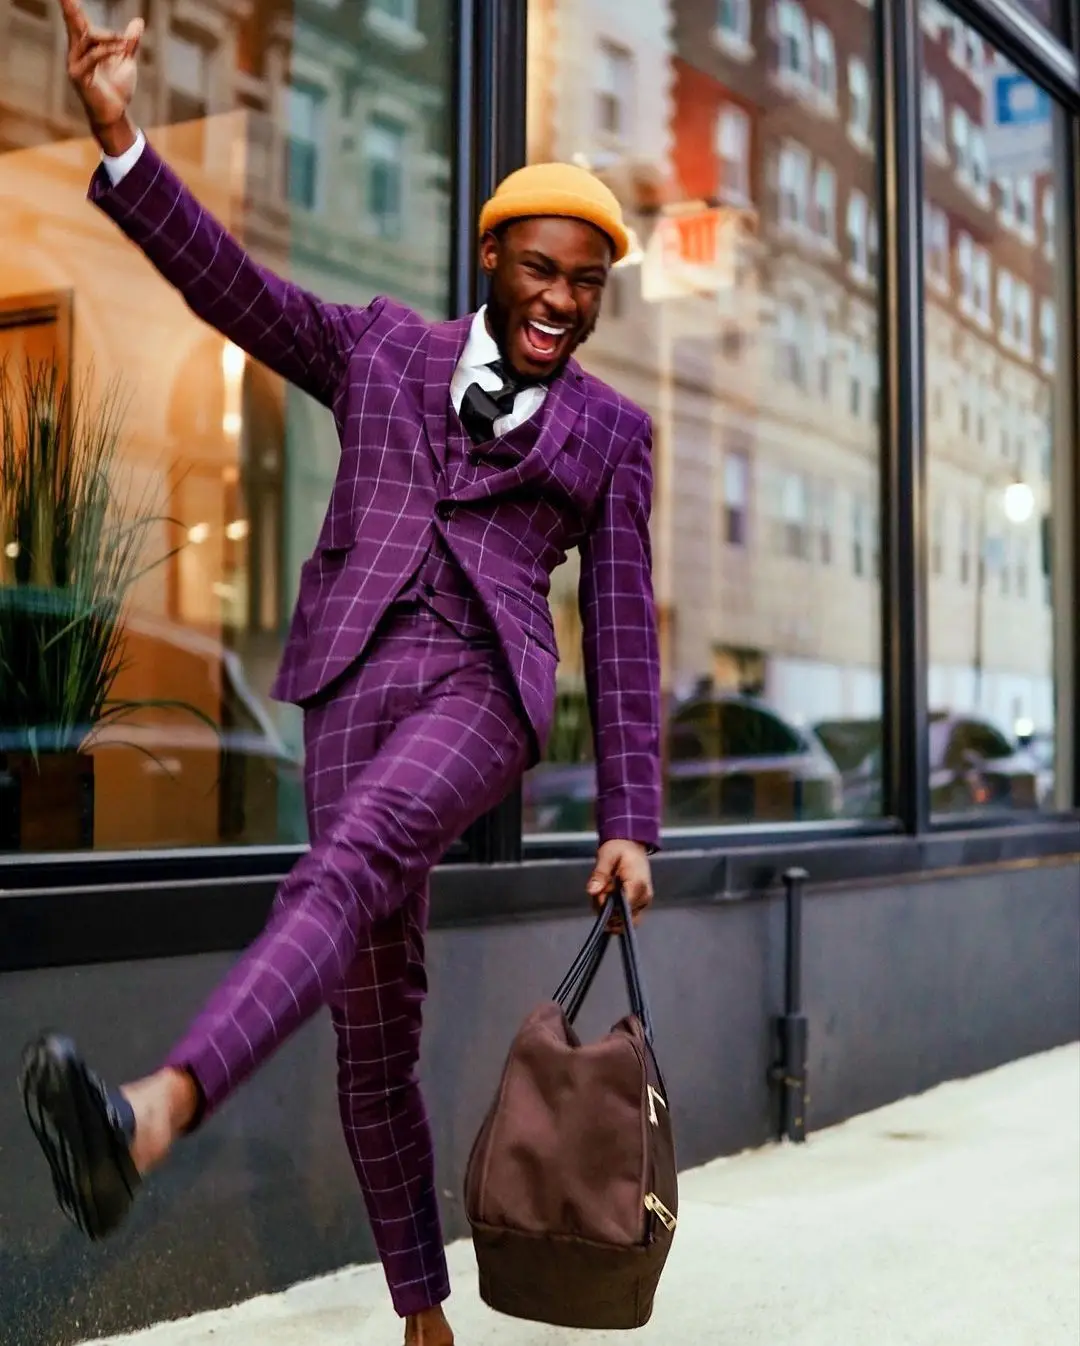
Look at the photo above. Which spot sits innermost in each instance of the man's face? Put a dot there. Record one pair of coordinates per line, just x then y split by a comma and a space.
547, 280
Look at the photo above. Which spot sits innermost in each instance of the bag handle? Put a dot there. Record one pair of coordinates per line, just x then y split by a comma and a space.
576, 984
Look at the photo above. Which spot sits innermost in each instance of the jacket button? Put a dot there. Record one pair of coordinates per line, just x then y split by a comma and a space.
445, 509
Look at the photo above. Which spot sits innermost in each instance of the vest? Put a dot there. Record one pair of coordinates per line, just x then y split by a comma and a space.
439, 583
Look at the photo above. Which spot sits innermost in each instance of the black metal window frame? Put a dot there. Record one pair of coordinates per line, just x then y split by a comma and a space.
905, 710
229, 885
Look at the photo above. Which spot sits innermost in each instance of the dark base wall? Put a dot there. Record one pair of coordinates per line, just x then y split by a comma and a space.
905, 986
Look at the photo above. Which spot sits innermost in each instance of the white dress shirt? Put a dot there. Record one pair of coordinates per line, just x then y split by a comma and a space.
480, 348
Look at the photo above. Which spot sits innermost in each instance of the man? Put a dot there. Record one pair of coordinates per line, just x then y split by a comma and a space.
474, 454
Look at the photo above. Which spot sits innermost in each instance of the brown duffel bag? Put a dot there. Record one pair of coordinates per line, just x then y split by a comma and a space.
571, 1189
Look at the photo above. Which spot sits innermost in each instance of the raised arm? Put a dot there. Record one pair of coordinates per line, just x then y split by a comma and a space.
622, 664
284, 326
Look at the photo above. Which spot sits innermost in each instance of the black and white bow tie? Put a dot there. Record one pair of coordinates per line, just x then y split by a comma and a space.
481, 408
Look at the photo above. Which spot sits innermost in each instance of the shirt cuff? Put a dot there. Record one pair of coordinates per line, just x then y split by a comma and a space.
119, 167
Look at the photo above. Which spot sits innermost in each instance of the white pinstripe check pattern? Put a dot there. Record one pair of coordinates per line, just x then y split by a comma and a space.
423, 736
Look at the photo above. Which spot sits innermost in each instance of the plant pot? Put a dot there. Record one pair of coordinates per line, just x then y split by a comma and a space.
47, 804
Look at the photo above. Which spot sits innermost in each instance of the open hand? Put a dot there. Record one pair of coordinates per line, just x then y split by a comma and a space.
102, 67
627, 863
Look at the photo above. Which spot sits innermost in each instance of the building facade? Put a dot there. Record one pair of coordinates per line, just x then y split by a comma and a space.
851, 311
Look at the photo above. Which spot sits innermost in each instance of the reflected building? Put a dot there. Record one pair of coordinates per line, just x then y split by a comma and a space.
742, 140
319, 133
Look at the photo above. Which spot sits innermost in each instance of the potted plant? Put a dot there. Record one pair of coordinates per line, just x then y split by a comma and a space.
72, 547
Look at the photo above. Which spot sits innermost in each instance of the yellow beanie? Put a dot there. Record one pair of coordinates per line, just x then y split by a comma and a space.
560, 190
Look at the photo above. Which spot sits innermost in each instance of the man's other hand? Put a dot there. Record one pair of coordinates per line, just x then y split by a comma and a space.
102, 69
625, 862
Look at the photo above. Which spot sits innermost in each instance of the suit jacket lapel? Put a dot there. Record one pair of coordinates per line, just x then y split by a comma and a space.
446, 342
563, 405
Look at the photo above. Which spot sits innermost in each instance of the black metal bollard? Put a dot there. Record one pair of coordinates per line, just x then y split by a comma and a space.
790, 1071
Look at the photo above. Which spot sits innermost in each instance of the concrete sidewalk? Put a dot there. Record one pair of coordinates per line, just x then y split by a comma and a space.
952, 1219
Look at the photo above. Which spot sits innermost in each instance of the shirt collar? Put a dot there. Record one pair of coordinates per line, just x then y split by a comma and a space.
480, 348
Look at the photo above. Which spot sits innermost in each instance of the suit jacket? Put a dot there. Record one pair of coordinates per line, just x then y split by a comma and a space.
385, 374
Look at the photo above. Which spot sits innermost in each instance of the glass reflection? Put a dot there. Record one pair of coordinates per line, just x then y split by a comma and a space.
320, 135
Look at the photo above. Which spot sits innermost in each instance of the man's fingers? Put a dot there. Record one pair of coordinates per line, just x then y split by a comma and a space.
82, 69
133, 35
600, 883
75, 20
639, 896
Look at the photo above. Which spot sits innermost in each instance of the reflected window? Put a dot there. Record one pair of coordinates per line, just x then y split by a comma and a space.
859, 92
933, 112
794, 186
936, 228
1048, 222
736, 497
614, 95
316, 142
795, 52
400, 11
384, 143
733, 21
825, 203
991, 632
733, 152
824, 64
307, 115
187, 66
751, 338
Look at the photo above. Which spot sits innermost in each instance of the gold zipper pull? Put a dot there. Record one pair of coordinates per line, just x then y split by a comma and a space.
654, 1204
655, 1096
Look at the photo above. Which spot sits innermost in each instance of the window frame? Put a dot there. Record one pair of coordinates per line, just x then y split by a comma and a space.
491, 141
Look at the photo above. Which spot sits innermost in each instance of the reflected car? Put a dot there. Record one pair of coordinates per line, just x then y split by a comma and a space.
974, 765
730, 759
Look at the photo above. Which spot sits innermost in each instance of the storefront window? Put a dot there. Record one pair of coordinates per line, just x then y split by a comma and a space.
992, 439
747, 327
320, 135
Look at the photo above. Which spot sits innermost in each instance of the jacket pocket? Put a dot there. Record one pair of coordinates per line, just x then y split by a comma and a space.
530, 614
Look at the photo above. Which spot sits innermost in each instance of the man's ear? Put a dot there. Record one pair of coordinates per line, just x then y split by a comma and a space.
489, 253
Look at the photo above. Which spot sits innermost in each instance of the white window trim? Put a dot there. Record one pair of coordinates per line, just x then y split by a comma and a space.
388, 110
823, 43
1024, 190
734, 193
860, 136
858, 211
937, 245
736, 45
1006, 309
936, 133
792, 152
982, 289
403, 34
824, 172
1025, 319
624, 57
1048, 218
790, 13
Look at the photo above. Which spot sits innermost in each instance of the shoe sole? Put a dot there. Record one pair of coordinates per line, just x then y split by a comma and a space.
93, 1176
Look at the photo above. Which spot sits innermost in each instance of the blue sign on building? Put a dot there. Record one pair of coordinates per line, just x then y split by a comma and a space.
1018, 121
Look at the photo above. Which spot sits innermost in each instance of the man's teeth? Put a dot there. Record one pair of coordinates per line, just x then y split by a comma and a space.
548, 331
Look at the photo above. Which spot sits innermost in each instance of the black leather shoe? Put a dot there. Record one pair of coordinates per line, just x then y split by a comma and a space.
85, 1131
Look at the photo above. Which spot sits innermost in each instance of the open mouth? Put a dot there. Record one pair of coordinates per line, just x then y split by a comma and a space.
543, 340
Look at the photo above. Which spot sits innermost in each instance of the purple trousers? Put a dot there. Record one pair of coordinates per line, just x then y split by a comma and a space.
421, 737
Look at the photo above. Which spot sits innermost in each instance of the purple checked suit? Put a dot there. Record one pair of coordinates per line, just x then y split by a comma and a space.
410, 731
